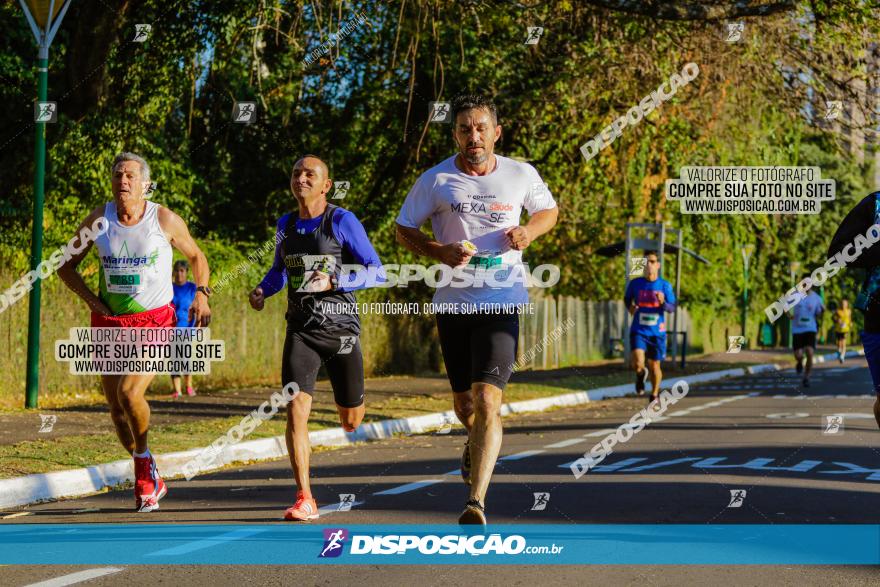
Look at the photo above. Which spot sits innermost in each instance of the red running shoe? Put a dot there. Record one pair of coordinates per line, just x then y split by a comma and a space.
304, 509
149, 488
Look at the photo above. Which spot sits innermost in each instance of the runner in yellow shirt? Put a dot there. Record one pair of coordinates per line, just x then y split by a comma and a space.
842, 322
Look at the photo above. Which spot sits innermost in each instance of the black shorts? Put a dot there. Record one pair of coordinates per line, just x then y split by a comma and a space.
478, 348
803, 339
305, 352
840, 335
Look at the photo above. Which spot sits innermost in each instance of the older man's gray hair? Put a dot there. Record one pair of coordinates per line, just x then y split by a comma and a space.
145, 167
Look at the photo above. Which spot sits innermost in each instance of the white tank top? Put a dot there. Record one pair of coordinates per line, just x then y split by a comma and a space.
135, 263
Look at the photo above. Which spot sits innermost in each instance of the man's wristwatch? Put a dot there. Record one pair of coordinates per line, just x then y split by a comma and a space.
205, 290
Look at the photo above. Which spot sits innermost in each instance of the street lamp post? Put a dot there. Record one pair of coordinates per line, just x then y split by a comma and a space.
44, 19
793, 269
747, 251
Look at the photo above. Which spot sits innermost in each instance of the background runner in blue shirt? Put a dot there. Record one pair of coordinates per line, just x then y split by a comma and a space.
184, 294
804, 328
647, 298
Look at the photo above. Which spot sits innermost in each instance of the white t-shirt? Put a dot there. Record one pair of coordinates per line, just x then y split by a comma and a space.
479, 209
805, 314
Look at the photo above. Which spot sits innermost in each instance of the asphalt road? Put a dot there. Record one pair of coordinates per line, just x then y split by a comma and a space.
753, 450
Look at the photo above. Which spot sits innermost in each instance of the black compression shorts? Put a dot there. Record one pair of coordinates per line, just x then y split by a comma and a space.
478, 348
803, 339
305, 352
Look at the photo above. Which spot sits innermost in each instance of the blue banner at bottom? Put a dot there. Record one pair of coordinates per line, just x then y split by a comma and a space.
279, 544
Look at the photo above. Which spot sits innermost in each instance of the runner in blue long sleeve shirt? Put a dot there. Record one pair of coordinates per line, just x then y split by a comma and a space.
316, 248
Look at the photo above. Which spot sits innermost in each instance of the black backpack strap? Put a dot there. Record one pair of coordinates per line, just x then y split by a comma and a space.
327, 220
288, 227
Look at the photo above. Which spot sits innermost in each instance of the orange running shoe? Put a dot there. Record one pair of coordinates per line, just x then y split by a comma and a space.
304, 509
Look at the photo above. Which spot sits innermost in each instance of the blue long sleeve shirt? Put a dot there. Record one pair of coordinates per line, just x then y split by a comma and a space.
350, 233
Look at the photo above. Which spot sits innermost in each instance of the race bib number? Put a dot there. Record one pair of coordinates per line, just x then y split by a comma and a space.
489, 261
485, 260
303, 271
806, 319
124, 281
646, 319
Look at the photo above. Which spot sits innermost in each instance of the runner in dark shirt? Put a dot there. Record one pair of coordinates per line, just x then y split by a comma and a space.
857, 222
315, 248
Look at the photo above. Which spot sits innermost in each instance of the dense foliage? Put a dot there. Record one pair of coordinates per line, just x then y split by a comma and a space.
363, 106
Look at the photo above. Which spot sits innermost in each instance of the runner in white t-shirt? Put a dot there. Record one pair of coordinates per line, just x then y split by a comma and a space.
803, 331
474, 201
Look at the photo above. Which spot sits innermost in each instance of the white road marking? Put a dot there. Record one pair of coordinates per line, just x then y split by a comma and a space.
334, 507
79, 577
561, 444
612, 467
608, 431
814, 397
409, 487
564, 443
605, 432
521, 455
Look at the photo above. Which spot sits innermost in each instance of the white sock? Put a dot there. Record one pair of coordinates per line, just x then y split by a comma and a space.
146, 453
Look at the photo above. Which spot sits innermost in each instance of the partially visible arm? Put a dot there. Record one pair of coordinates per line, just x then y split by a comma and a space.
276, 277
413, 239
418, 206
351, 234
628, 299
178, 235
856, 222
670, 301
542, 209
70, 276
519, 237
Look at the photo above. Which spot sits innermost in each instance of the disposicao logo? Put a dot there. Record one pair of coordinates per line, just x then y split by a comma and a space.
333, 541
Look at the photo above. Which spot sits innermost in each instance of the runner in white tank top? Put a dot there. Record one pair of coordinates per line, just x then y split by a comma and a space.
135, 273
135, 291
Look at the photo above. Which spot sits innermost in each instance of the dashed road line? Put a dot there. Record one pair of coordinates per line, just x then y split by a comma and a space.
409, 487
522, 455
333, 508
78, 577
565, 443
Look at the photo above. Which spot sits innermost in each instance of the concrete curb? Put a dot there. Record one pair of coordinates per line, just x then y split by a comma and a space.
89, 480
